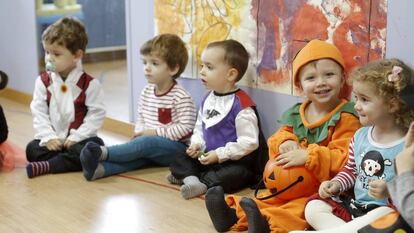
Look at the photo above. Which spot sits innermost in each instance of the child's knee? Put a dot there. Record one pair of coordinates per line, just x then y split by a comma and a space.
314, 208
32, 149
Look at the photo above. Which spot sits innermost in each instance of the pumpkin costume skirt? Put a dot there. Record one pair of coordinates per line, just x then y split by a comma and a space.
283, 216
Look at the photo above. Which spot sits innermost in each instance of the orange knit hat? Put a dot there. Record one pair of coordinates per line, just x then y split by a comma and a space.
314, 50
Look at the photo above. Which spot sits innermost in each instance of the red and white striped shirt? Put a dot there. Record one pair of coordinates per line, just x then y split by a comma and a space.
172, 114
347, 176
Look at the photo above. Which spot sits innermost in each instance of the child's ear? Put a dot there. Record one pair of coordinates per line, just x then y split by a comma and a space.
299, 91
173, 71
393, 105
232, 75
343, 79
78, 54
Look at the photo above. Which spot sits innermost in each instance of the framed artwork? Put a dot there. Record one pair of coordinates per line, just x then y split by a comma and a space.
274, 31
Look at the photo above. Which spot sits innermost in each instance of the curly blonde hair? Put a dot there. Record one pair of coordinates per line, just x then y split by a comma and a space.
377, 73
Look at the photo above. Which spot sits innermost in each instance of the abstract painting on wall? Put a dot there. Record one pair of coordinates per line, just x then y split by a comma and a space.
274, 31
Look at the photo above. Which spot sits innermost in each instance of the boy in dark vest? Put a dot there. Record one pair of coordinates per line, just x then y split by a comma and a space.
227, 133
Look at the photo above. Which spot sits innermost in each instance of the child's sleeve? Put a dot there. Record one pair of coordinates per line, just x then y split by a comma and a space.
40, 112
283, 134
247, 130
95, 115
198, 137
139, 123
346, 177
327, 161
401, 191
4, 130
183, 120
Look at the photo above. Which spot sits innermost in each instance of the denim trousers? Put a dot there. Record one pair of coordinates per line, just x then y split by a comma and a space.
141, 152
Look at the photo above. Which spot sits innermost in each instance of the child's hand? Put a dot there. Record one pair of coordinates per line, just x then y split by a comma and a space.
378, 189
193, 150
209, 158
145, 132
329, 188
292, 158
136, 134
54, 145
68, 143
405, 160
288, 145
149, 132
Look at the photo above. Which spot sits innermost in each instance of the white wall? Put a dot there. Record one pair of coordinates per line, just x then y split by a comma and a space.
400, 31
18, 43
140, 28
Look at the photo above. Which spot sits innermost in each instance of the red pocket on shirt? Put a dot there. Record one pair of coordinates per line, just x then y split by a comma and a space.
164, 115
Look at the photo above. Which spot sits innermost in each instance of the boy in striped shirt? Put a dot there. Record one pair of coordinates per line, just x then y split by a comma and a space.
166, 116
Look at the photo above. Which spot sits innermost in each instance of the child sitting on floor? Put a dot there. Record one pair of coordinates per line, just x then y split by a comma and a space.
386, 118
67, 105
166, 116
225, 145
315, 135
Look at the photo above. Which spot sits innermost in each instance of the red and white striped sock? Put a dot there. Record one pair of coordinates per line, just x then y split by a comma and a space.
34, 169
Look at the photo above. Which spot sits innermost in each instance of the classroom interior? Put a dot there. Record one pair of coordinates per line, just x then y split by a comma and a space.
137, 201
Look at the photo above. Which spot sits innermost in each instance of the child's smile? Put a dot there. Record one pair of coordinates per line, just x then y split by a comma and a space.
321, 81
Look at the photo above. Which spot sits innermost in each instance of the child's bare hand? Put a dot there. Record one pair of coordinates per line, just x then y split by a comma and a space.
292, 158
136, 134
193, 150
68, 143
54, 145
288, 145
209, 158
145, 132
378, 189
405, 160
329, 188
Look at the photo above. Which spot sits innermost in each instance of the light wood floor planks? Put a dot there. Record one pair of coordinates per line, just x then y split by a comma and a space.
138, 201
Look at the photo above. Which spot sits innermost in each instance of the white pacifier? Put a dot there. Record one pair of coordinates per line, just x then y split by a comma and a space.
50, 66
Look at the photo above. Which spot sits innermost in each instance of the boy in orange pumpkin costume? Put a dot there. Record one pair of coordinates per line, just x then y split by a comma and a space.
315, 134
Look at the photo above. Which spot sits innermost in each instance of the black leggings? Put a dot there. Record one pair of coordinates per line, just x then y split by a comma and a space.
231, 175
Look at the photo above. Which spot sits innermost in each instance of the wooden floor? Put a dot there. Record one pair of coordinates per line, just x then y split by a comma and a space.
139, 201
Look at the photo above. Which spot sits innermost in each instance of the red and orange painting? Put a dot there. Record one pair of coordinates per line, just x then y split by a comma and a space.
273, 31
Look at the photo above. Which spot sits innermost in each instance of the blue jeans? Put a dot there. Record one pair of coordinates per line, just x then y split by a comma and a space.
140, 152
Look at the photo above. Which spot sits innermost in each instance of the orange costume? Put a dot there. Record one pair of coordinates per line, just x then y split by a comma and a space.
11, 156
326, 142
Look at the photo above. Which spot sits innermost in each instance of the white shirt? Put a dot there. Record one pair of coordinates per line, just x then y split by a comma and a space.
247, 129
52, 122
